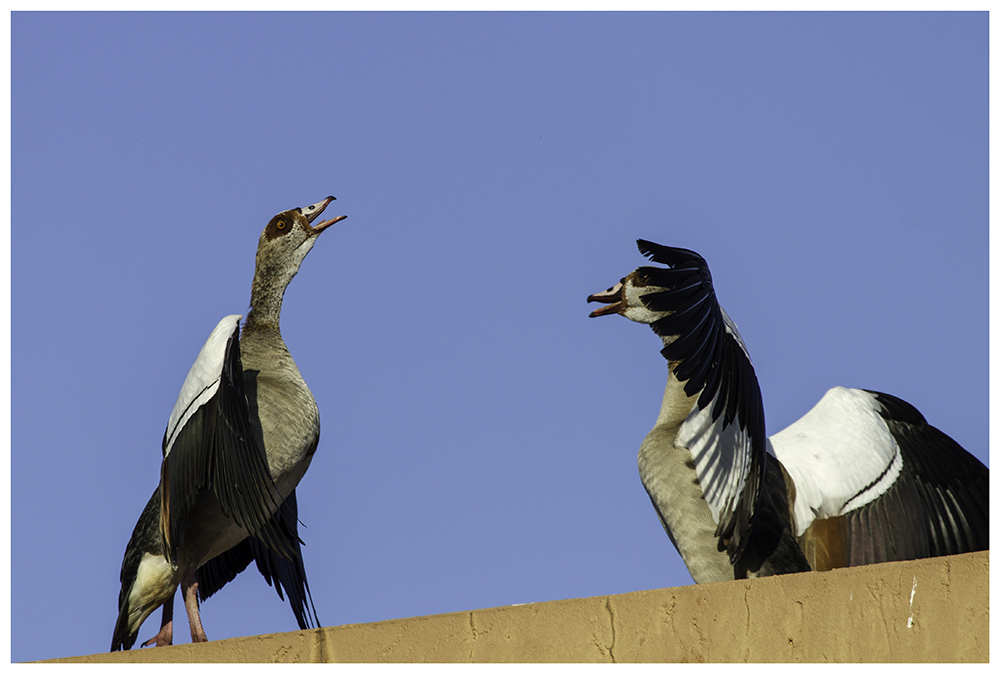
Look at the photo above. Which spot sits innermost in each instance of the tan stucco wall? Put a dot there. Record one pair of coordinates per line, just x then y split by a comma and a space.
925, 610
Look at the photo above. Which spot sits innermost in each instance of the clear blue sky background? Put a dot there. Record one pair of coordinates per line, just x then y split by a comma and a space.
479, 430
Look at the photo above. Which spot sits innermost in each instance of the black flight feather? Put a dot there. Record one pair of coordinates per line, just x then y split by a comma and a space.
952, 483
288, 576
216, 451
708, 359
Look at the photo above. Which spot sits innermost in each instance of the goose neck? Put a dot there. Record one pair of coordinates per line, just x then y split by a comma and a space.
266, 296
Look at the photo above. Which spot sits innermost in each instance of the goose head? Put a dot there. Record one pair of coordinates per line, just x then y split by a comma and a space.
289, 237
629, 298
284, 243
682, 290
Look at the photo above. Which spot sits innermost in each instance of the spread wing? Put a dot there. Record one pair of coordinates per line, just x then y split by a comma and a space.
874, 482
725, 429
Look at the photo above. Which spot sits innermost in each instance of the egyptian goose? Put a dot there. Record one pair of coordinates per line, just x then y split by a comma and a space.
861, 478
239, 439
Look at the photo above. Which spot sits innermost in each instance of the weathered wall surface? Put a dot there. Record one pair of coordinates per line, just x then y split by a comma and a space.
932, 610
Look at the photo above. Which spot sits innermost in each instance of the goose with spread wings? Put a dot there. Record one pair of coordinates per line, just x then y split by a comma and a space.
862, 478
239, 439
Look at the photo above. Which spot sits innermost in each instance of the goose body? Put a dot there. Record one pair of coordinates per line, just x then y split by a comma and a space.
861, 478
239, 439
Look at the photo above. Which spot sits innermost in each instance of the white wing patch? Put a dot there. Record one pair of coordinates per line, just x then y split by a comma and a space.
721, 454
840, 455
202, 379
721, 458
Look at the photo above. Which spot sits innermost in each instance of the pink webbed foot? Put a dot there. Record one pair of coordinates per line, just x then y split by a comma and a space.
165, 637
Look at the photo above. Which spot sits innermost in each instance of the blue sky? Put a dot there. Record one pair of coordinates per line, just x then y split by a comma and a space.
479, 431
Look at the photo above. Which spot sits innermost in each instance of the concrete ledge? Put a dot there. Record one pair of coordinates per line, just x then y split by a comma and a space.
930, 610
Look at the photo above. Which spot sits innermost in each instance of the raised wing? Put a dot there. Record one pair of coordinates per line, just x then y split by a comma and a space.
874, 482
725, 430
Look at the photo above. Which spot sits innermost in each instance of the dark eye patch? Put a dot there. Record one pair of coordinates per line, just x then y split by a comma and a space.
279, 225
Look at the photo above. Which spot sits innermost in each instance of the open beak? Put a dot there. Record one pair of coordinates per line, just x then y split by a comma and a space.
326, 223
312, 212
613, 297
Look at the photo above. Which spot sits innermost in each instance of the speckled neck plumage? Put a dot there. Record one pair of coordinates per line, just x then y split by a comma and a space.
270, 280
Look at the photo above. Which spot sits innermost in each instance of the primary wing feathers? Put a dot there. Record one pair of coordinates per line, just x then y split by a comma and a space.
288, 575
213, 449
710, 358
952, 484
